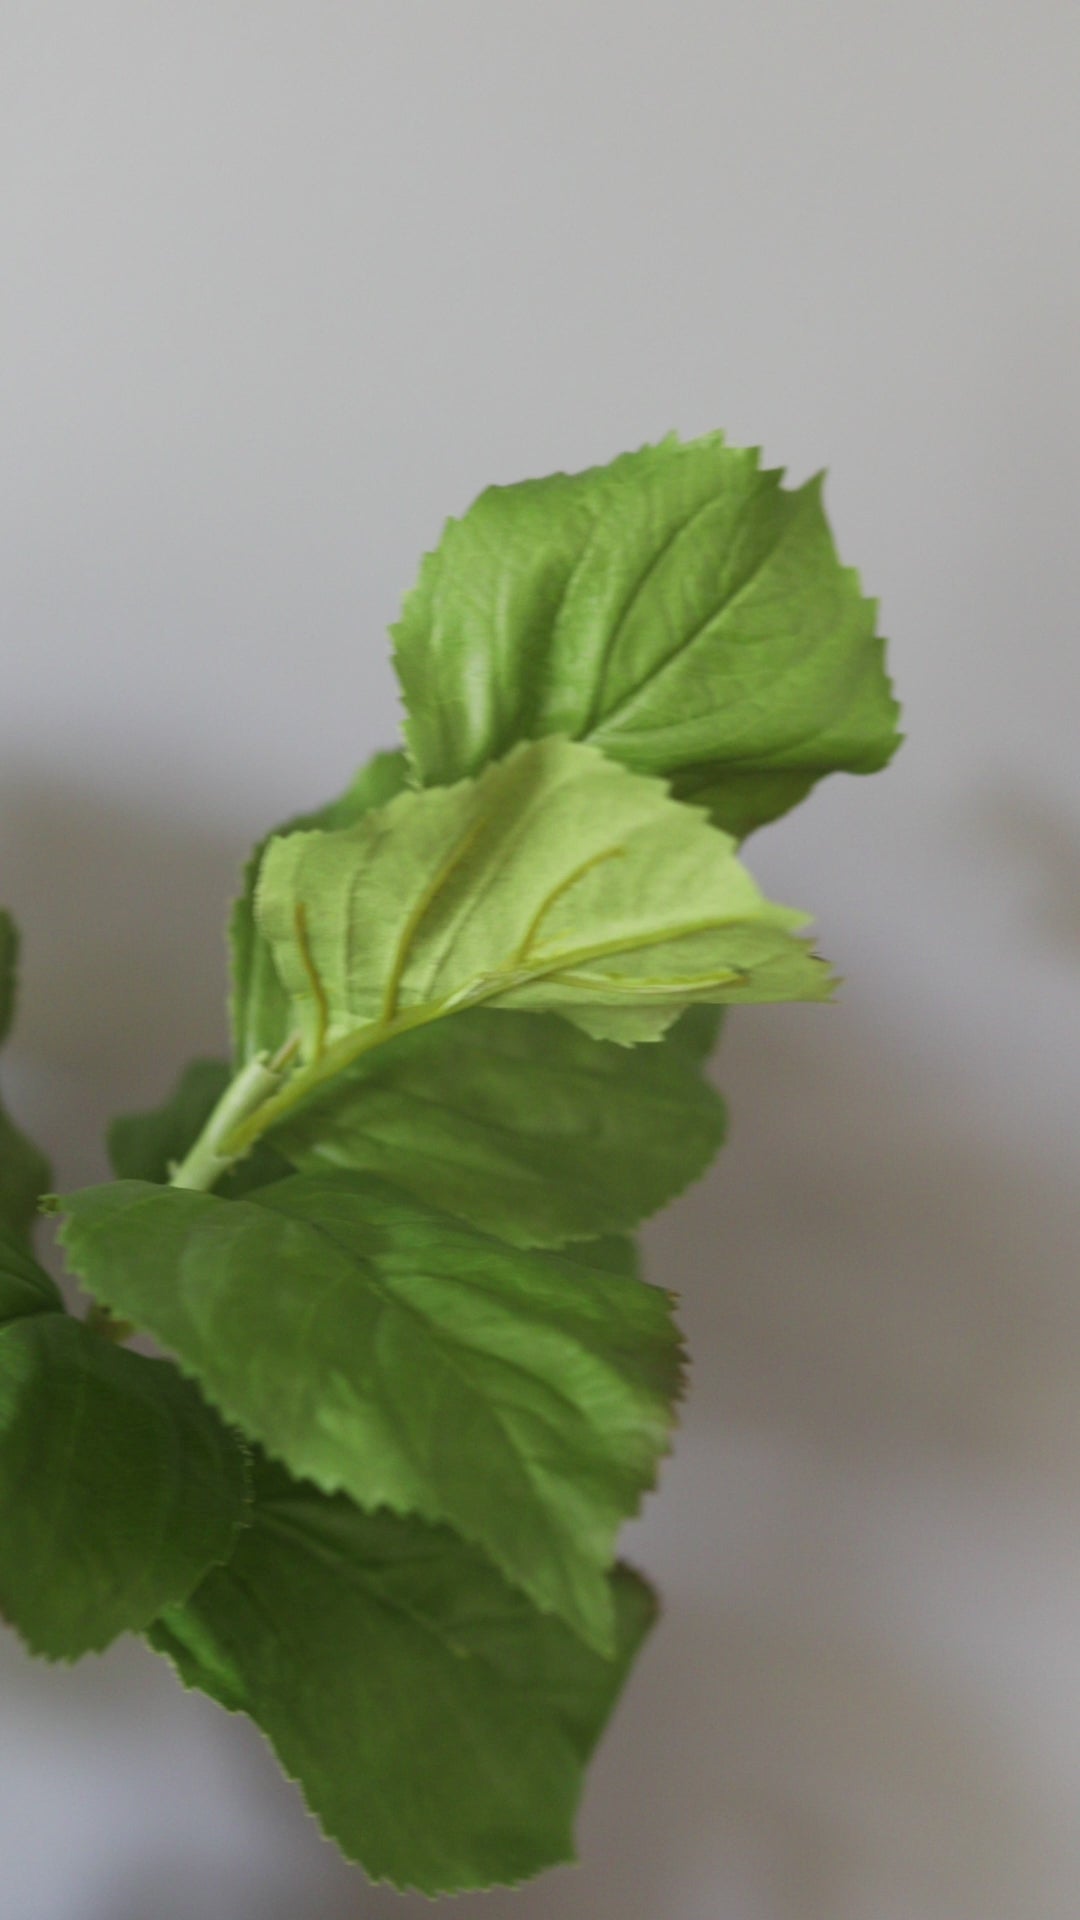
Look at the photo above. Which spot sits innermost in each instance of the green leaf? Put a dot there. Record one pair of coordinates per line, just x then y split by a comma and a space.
25, 1173
437, 1724
518, 1123
695, 1035
119, 1488
260, 1007
514, 1122
25, 1288
678, 608
147, 1146
393, 1354
611, 1253
556, 882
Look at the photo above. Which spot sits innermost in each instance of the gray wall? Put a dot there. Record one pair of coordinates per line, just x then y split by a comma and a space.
283, 285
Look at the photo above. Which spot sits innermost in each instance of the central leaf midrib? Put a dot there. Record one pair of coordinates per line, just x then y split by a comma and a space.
599, 715
382, 1287
355, 1042
296, 1531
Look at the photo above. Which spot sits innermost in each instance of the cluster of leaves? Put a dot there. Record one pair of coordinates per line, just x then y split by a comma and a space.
416, 1383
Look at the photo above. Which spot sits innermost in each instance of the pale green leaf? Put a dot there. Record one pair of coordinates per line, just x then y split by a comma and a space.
695, 1035
396, 1355
602, 1136
119, 1488
437, 1724
679, 608
519, 1123
516, 1122
556, 881
260, 1008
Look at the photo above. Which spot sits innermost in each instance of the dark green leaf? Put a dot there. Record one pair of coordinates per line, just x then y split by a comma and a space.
438, 1725
25, 1173
119, 1488
678, 608
519, 1123
612, 1253
25, 1288
392, 1353
697, 1033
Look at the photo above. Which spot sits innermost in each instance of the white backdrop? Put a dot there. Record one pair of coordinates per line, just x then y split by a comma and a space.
282, 286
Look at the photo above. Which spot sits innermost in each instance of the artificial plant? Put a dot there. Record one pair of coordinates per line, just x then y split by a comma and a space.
414, 1382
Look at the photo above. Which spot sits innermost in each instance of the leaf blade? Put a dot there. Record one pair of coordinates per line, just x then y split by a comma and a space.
518, 1123
25, 1173
259, 1007
557, 882
677, 607
522, 1398
436, 1723
118, 1487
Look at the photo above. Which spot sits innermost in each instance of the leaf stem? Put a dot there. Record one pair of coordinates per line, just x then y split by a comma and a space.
258, 1118
204, 1165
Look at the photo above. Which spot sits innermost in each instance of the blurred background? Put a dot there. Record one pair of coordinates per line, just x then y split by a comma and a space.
283, 285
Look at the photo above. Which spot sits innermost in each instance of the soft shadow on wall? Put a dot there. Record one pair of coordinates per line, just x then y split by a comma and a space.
1039, 837
122, 911
865, 1521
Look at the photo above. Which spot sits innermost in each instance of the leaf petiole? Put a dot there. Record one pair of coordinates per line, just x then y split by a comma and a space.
203, 1166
